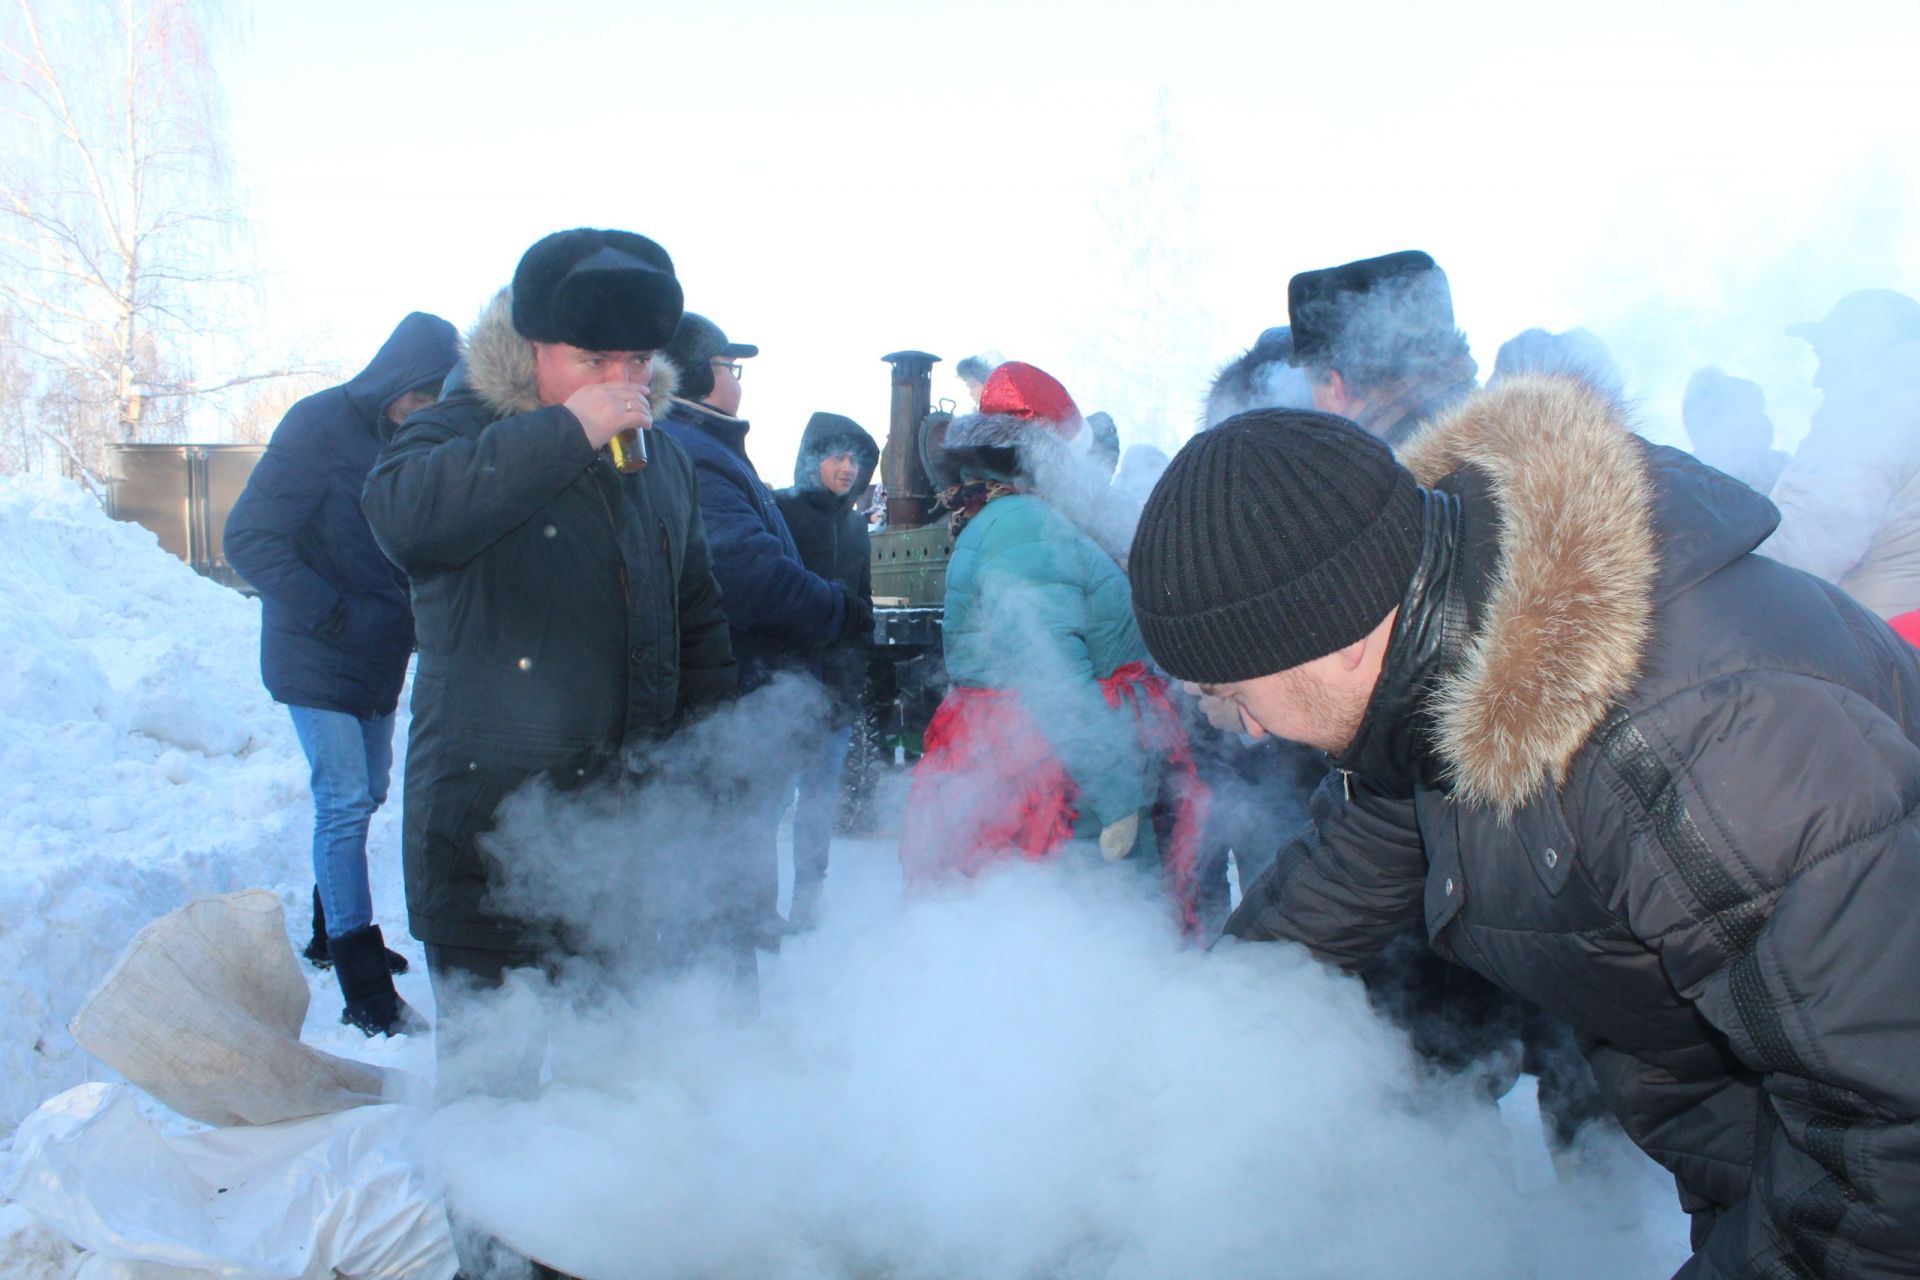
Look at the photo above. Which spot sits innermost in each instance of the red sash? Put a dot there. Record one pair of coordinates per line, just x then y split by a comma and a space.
1908, 626
989, 788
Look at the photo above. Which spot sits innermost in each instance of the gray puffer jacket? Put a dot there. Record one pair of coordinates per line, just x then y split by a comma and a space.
1666, 789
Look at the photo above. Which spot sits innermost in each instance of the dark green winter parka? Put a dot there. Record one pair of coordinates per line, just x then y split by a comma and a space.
1666, 789
564, 611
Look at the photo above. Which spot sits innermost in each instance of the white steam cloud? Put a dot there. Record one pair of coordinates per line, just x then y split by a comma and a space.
1024, 1078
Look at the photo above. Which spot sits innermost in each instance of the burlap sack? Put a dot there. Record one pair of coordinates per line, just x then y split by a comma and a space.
203, 1011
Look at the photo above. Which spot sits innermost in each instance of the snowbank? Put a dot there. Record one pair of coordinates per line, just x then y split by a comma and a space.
141, 764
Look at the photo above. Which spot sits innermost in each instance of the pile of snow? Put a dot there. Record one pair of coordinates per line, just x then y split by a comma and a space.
141, 764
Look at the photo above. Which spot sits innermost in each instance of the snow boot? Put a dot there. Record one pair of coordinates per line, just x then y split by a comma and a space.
321, 958
770, 930
366, 984
316, 953
803, 915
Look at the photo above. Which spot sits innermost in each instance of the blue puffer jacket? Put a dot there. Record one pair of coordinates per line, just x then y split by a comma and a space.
779, 613
1034, 606
298, 536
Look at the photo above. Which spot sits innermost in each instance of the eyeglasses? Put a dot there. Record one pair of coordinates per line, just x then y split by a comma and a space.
730, 366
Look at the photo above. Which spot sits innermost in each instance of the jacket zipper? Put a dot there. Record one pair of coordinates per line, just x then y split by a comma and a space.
626, 590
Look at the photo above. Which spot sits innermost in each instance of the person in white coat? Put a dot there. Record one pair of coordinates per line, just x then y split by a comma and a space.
1850, 499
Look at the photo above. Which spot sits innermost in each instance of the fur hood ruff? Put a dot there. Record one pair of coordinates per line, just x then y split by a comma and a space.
500, 363
1571, 604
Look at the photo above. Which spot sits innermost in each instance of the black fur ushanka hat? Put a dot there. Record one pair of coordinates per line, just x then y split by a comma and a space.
597, 290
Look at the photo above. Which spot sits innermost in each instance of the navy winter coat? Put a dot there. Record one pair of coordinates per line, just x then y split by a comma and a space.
299, 538
779, 613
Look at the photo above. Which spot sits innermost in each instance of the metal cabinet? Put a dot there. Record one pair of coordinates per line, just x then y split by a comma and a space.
183, 492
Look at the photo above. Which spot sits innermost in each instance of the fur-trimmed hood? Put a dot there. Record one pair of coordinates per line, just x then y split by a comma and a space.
827, 434
1595, 529
497, 364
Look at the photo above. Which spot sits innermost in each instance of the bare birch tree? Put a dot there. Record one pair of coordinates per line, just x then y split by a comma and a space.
1157, 340
20, 447
116, 219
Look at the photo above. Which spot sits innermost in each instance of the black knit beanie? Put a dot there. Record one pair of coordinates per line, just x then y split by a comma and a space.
1273, 539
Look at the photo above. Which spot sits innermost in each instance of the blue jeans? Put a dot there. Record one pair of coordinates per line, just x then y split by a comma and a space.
351, 760
817, 793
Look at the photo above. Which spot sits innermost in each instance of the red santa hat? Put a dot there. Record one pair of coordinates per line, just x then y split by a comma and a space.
1017, 390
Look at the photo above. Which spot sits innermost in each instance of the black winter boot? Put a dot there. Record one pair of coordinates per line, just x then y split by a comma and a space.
316, 953
359, 959
321, 958
804, 914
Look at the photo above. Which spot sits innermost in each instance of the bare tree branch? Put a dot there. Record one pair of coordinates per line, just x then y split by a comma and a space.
114, 208
239, 380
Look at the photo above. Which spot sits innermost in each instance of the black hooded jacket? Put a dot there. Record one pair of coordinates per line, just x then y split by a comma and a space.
1666, 789
832, 536
566, 612
335, 628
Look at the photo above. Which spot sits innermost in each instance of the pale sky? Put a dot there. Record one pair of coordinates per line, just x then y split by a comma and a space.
1116, 192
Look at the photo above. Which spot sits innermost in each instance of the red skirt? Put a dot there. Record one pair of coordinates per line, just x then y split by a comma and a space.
1908, 626
988, 788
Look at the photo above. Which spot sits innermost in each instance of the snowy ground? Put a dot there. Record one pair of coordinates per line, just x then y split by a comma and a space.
1022, 1081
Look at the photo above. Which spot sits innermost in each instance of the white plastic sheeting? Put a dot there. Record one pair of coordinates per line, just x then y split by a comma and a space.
203, 1011
302, 1200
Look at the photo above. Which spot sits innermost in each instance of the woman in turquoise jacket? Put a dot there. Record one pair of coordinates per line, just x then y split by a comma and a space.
1053, 730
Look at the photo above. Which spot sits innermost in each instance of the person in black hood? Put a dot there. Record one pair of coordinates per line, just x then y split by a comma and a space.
1606, 757
336, 633
835, 463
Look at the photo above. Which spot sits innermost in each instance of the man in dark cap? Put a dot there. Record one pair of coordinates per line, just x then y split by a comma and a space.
566, 608
1377, 340
1374, 340
1608, 758
781, 615
336, 633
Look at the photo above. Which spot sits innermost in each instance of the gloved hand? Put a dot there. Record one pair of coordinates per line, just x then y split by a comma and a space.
858, 622
1221, 713
1117, 839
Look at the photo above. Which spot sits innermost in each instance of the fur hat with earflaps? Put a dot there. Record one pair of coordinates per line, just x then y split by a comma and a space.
1017, 399
597, 290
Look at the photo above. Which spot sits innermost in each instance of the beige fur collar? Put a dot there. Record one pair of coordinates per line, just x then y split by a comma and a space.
1569, 612
500, 363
